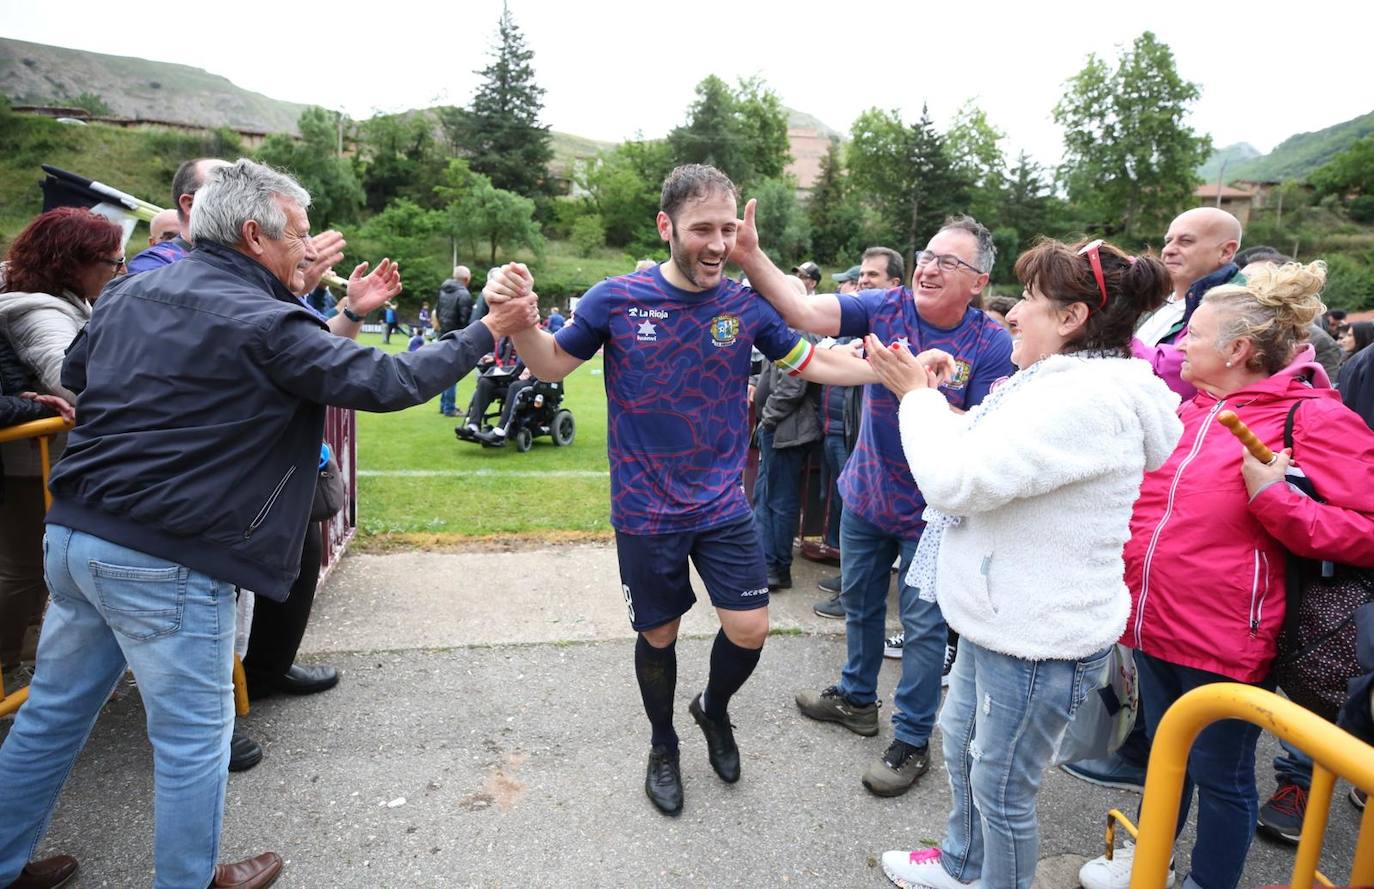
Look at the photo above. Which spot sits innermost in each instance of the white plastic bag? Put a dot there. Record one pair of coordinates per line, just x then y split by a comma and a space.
1106, 716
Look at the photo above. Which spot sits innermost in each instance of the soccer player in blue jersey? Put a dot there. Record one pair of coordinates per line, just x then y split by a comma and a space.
882, 505
677, 340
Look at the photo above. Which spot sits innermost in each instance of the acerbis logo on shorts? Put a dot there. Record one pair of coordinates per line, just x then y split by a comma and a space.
763, 591
629, 603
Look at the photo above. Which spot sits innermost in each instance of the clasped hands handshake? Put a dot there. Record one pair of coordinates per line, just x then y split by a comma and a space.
901, 372
512, 304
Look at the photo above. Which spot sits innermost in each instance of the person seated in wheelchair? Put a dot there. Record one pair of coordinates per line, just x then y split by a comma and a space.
496, 370
528, 406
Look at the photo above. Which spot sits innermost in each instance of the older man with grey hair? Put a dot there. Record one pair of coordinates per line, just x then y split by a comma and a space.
190, 472
882, 505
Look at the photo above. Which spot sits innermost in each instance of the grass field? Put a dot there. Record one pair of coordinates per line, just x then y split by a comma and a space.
419, 485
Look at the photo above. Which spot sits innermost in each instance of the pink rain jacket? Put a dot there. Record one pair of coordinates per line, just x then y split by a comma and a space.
1205, 564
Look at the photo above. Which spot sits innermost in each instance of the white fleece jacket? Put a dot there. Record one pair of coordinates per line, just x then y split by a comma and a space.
1045, 483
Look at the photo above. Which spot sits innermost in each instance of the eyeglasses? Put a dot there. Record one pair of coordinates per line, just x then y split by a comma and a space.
1093, 250
947, 261
117, 263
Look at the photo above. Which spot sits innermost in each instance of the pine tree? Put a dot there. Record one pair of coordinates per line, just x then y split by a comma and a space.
835, 216
500, 133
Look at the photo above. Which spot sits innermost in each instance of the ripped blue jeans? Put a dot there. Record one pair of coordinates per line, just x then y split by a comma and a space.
1002, 721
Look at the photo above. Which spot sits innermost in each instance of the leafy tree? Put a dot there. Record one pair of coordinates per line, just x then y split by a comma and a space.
763, 126
834, 212
478, 212
906, 174
92, 102
784, 230
976, 156
1350, 171
315, 162
1028, 209
1129, 159
623, 186
742, 132
402, 232
588, 234
400, 156
500, 133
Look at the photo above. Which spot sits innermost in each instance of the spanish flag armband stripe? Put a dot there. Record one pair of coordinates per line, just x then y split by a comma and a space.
795, 361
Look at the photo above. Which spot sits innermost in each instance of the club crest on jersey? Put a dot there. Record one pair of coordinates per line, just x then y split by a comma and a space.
962, 371
724, 330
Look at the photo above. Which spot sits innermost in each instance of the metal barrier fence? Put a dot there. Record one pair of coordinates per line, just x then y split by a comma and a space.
1334, 753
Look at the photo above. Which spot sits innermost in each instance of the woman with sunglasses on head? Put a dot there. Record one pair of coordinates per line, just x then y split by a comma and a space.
1211, 534
1029, 499
55, 269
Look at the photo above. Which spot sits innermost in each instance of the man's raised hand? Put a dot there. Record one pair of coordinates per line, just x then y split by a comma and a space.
510, 281
329, 247
368, 292
746, 235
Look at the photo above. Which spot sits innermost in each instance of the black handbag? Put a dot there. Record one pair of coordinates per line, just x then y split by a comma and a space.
1316, 653
330, 493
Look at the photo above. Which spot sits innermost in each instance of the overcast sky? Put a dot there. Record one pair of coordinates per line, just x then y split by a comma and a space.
614, 68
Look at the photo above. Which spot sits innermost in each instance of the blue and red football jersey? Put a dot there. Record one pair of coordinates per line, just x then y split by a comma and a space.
676, 370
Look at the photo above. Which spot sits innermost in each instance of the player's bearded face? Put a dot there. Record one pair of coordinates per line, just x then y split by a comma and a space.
702, 238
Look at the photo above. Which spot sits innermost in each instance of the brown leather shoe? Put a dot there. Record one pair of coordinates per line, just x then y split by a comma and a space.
46, 874
251, 873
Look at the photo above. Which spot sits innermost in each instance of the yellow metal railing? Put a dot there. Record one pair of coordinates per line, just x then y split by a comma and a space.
1335, 753
43, 430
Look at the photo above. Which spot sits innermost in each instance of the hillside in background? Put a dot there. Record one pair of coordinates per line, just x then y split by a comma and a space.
1294, 157
36, 74
1232, 155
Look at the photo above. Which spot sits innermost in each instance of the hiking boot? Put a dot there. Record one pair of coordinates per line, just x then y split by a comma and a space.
829, 585
663, 779
920, 869
897, 769
721, 749
1281, 817
832, 608
892, 645
831, 706
1115, 872
779, 579
1110, 771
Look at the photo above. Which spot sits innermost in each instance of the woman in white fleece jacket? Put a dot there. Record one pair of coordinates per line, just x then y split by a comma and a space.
1029, 499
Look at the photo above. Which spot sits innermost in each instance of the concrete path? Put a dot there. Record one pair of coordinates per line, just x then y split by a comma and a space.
488, 733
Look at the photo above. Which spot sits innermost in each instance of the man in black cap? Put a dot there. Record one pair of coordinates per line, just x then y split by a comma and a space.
810, 275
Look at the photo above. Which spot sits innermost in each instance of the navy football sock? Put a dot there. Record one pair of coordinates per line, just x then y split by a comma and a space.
731, 665
656, 670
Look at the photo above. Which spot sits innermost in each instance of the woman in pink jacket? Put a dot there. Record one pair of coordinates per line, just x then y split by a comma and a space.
1212, 529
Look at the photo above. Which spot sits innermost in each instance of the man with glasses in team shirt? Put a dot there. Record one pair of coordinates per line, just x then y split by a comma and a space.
882, 505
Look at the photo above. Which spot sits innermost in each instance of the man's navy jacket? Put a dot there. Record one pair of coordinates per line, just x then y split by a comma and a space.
202, 389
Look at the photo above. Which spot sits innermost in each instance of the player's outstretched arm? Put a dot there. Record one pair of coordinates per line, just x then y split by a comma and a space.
838, 367
817, 314
537, 348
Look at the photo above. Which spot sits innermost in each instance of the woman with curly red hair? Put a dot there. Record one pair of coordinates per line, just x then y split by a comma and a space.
55, 269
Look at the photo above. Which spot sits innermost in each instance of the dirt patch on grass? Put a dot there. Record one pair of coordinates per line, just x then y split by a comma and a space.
382, 544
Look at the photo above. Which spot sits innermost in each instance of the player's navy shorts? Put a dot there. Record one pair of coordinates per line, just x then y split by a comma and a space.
657, 585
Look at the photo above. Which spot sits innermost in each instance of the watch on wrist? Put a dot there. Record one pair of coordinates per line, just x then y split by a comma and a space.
352, 315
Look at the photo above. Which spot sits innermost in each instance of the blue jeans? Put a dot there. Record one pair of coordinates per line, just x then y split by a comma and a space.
1292, 766
174, 627
866, 555
1001, 723
836, 455
777, 499
1221, 765
448, 400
